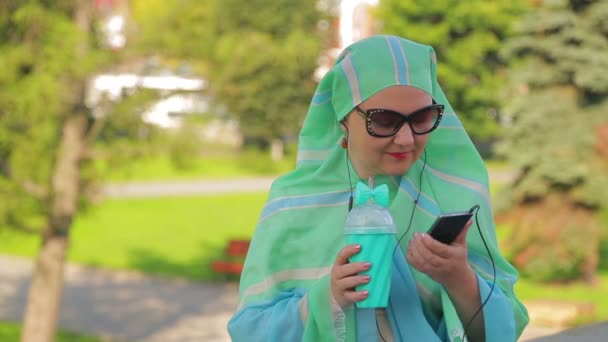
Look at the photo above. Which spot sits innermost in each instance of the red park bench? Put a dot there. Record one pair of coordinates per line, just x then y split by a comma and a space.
232, 263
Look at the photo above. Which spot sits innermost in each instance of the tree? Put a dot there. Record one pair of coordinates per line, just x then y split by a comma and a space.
265, 54
259, 56
48, 135
467, 37
48, 50
179, 31
558, 108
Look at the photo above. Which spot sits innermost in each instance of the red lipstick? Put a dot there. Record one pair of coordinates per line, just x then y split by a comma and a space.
399, 156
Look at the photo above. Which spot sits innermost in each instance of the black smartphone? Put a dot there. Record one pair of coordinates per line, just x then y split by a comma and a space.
447, 226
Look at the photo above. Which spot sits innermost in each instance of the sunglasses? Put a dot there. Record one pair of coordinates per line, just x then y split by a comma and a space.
384, 123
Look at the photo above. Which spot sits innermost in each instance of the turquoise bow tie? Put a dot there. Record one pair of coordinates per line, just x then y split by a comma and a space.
363, 193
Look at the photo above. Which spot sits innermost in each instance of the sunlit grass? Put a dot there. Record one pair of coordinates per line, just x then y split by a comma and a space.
12, 331
229, 165
166, 236
497, 164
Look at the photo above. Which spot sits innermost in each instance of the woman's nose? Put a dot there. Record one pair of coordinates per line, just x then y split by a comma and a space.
405, 135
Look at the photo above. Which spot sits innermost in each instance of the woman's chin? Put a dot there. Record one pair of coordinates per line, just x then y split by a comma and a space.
397, 170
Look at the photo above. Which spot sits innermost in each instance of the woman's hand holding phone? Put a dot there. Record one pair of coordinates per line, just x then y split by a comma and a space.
446, 264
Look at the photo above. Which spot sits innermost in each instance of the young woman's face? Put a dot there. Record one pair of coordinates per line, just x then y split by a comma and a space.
393, 155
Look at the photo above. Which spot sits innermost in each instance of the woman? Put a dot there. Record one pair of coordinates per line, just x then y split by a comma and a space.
378, 112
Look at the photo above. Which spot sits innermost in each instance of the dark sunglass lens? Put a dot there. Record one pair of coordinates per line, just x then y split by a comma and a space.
385, 122
424, 120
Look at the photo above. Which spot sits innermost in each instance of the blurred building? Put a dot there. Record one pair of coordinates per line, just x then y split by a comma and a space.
353, 21
356, 21
180, 96
112, 23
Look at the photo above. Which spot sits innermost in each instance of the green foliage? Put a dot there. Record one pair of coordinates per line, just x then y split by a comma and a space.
269, 91
277, 18
467, 37
263, 63
557, 101
38, 80
46, 61
559, 257
183, 149
557, 107
254, 161
178, 31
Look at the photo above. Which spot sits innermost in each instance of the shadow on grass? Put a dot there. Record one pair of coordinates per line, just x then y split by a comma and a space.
197, 268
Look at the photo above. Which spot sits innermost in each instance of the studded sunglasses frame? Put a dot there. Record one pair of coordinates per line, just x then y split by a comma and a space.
369, 114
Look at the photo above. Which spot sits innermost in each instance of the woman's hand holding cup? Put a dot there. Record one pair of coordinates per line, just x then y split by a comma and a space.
345, 277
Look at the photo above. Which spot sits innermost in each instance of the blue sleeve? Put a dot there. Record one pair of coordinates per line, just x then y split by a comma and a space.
498, 317
273, 320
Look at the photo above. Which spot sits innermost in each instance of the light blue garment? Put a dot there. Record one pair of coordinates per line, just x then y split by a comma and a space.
274, 320
280, 320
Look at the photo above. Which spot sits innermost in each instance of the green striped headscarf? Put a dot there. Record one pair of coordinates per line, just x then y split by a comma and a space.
300, 229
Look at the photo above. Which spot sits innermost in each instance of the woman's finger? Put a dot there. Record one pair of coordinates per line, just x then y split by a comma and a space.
349, 283
428, 256
345, 253
412, 255
434, 246
351, 269
355, 296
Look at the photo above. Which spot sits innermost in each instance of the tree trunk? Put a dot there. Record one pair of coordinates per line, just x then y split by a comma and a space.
277, 149
42, 311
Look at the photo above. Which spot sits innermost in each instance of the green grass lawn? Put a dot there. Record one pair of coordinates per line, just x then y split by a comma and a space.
498, 165
166, 236
577, 292
230, 165
10, 332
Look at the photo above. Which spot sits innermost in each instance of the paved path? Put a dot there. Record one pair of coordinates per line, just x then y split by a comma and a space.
591, 333
132, 306
187, 188
215, 186
127, 305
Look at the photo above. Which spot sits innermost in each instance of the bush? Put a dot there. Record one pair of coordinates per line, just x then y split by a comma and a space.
260, 162
554, 241
184, 146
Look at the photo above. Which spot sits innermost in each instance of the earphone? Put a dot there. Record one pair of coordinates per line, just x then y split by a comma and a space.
465, 327
350, 183
473, 209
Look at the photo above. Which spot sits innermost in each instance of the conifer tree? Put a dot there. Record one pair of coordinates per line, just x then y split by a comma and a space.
558, 109
467, 37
